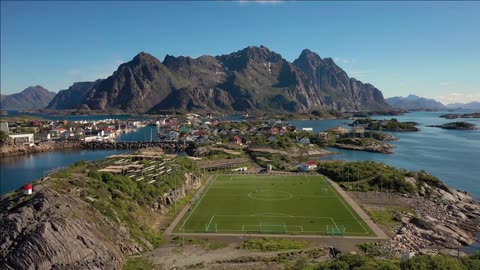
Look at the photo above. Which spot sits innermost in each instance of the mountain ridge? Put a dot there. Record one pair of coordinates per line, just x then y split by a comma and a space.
474, 105
33, 97
414, 102
248, 80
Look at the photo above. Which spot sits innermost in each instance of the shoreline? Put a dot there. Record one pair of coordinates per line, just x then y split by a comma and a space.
17, 150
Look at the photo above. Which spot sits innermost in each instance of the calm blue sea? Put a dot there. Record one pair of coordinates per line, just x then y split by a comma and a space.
451, 155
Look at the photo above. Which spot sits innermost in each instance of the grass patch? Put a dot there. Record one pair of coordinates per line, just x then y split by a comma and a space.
206, 243
137, 263
271, 244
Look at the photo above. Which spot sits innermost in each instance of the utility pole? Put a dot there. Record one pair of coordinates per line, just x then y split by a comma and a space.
381, 199
175, 201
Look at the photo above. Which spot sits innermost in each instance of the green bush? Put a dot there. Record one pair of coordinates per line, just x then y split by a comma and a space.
271, 244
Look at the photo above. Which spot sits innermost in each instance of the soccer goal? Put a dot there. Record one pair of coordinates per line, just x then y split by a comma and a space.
336, 230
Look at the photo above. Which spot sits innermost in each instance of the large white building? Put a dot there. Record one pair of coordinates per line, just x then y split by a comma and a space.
4, 127
22, 138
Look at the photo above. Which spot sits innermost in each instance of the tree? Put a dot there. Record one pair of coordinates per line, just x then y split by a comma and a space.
3, 136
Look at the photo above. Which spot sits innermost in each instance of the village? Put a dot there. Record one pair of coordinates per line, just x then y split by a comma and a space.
270, 143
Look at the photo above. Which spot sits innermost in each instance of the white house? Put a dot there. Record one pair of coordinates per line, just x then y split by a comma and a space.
304, 140
22, 138
308, 166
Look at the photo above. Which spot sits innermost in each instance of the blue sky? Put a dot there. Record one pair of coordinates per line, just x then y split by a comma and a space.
427, 48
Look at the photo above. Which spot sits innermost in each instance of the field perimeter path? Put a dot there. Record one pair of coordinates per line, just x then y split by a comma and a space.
379, 232
180, 215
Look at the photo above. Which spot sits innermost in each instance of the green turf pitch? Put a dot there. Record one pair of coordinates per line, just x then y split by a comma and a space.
293, 204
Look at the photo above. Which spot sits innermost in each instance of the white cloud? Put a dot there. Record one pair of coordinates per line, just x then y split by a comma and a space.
458, 97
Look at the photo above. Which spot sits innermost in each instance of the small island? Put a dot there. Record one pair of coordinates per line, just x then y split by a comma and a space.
457, 126
364, 144
456, 115
387, 125
358, 139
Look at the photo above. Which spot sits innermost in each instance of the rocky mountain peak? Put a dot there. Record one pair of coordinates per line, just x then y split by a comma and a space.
33, 97
141, 59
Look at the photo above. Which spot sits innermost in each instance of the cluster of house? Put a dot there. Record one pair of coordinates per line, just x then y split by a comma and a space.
98, 130
342, 132
207, 131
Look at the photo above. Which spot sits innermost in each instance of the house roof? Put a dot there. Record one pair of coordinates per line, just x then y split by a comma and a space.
311, 162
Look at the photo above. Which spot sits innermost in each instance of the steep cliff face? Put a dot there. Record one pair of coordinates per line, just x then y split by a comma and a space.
336, 88
57, 231
136, 86
73, 97
33, 97
252, 79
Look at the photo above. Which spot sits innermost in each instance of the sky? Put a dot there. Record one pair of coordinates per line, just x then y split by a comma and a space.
431, 49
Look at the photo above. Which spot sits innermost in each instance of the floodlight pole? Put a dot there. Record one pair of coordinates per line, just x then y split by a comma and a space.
175, 201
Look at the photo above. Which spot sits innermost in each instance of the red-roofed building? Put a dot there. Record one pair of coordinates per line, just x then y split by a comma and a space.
28, 189
308, 166
236, 140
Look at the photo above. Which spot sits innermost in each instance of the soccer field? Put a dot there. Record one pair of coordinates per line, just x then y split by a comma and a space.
290, 204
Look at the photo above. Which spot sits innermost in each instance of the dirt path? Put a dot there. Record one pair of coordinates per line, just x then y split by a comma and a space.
375, 228
180, 215
230, 257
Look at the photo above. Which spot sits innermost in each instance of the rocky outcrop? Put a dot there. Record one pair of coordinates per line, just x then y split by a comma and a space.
192, 182
456, 115
62, 230
444, 220
9, 149
457, 126
376, 147
50, 230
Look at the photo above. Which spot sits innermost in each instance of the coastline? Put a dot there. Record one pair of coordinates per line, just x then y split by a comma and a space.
15, 149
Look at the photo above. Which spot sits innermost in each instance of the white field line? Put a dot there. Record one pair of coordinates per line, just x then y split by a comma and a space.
308, 180
203, 195
335, 224
355, 217
208, 226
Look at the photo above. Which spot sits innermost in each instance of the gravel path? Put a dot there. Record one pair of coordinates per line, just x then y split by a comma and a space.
375, 228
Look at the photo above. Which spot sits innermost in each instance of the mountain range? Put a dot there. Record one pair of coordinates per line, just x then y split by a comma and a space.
249, 80
475, 105
33, 97
413, 102
252, 79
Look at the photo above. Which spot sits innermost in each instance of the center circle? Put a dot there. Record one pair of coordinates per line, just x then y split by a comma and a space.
270, 195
